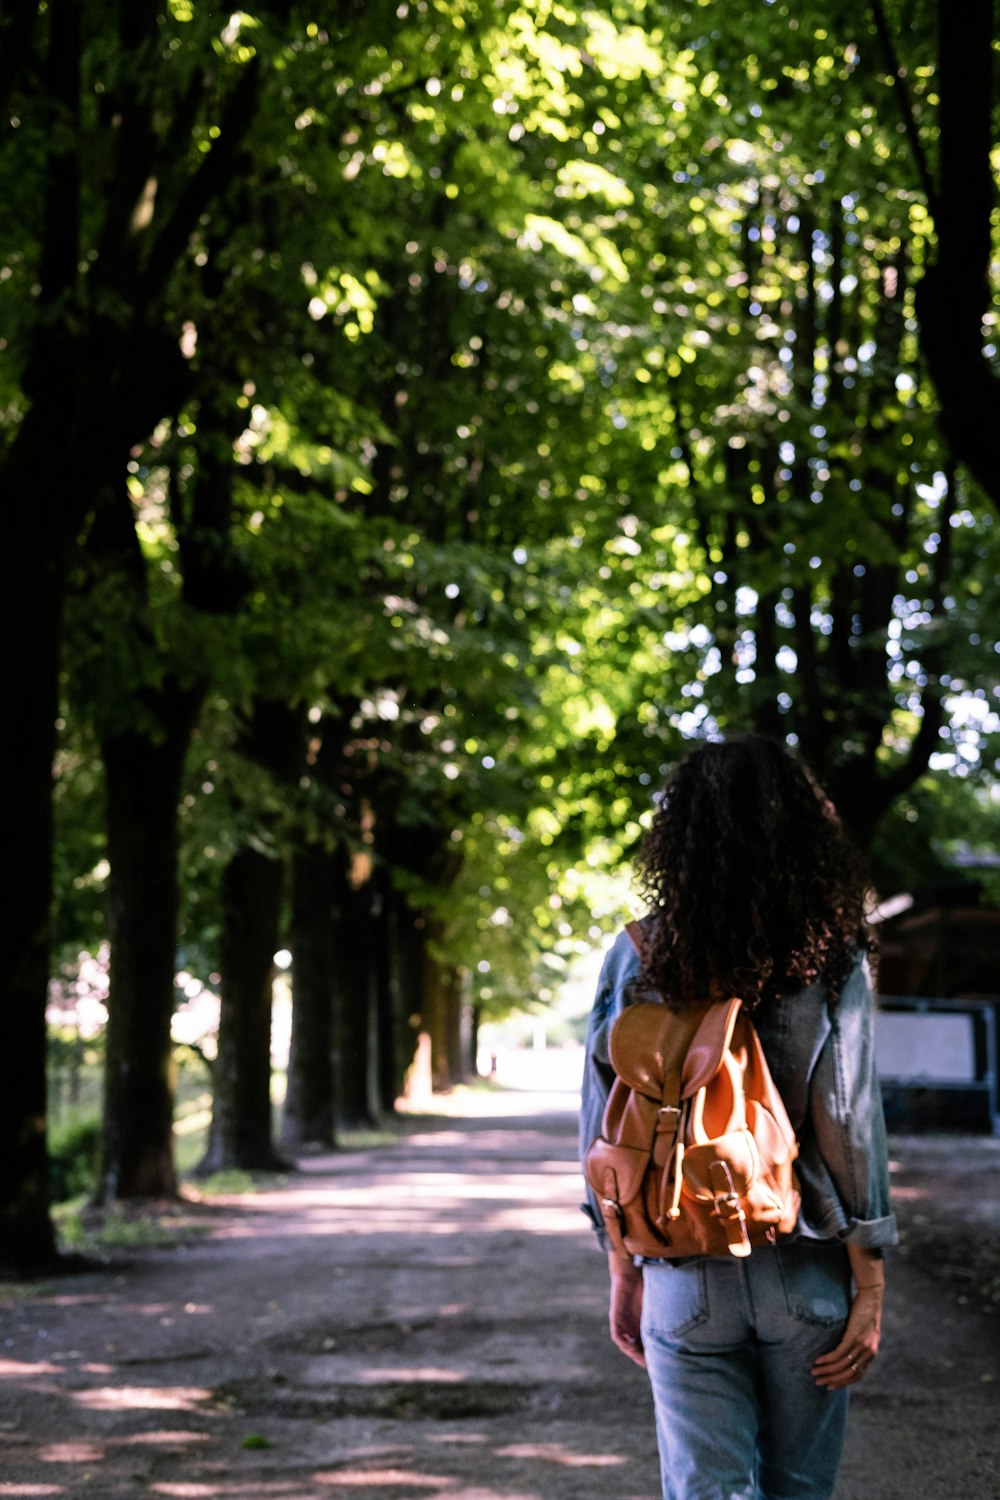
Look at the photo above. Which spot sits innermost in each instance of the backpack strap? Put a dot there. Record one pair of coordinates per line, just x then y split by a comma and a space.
667, 1147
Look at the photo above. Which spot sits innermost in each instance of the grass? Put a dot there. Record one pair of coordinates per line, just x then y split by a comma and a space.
369, 1137
74, 1130
74, 1134
233, 1182
85, 1229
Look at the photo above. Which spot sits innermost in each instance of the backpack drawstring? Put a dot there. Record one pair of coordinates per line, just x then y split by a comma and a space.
674, 1211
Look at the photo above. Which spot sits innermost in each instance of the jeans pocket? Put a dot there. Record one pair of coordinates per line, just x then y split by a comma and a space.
816, 1283
674, 1299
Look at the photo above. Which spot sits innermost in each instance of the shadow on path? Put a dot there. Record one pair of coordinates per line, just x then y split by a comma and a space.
428, 1320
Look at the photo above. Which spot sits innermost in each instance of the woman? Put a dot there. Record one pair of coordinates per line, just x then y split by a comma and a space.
753, 890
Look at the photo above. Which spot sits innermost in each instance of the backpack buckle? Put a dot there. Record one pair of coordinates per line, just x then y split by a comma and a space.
730, 1210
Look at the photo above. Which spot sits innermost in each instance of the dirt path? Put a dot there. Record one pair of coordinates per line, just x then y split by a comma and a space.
447, 1342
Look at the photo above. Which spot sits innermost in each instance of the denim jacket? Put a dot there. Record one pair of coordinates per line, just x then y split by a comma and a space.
822, 1059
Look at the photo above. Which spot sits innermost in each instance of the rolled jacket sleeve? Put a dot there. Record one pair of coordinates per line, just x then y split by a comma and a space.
621, 965
843, 1165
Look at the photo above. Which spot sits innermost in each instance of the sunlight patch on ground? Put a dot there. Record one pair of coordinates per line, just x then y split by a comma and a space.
31, 1489
556, 1453
188, 1491
261, 1239
66, 1299
552, 1220
364, 1478
374, 1376
79, 1452
165, 1439
435, 1202
142, 1398
478, 1104
450, 1439
16, 1369
466, 1186
255, 1489
148, 1309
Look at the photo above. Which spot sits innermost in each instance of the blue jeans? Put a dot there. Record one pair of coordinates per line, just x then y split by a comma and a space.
729, 1345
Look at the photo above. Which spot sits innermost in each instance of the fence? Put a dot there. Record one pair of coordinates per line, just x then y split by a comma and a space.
938, 1063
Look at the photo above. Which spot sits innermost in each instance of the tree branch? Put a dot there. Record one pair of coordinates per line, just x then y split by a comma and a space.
926, 738
17, 26
954, 294
902, 92
61, 231
921, 750
809, 720
134, 139
203, 186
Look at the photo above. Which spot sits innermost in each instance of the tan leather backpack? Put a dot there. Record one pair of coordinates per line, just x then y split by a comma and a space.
696, 1149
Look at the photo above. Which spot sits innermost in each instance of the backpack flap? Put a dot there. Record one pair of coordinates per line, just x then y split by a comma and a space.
649, 1041
616, 1172
775, 1141
709, 1043
766, 1112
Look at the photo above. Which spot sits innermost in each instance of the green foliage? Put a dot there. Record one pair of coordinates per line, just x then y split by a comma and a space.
549, 393
95, 1231
73, 1157
81, 869
943, 831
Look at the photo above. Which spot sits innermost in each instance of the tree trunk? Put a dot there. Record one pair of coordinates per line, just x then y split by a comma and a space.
142, 788
31, 617
400, 956
434, 1008
456, 1037
240, 1135
355, 997
467, 1024
954, 295
95, 383
308, 1118
475, 1021
40, 518
442, 1012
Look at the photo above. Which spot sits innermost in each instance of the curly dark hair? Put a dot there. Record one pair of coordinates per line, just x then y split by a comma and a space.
753, 887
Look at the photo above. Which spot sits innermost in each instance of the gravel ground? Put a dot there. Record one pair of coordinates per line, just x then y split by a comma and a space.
441, 1335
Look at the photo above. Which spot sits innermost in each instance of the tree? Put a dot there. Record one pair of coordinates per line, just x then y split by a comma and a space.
251, 920
796, 553
432, 321
955, 302
97, 368
505, 403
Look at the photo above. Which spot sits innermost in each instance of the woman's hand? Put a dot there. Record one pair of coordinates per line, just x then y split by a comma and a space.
845, 1365
626, 1307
